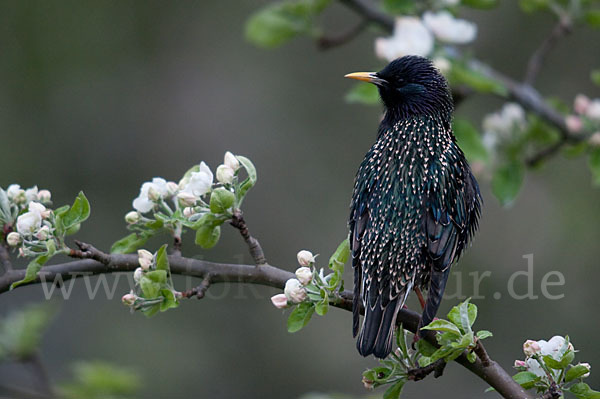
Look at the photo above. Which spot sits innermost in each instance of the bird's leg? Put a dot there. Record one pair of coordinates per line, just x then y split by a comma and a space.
420, 296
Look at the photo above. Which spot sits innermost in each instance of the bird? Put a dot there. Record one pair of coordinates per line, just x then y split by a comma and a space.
415, 204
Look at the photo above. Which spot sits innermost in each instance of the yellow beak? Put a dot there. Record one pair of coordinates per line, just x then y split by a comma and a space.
370, 77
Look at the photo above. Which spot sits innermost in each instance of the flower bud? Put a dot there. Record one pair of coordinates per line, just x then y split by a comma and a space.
188, 211
587, 366
153, 194
581, 104
132, 217
137, 274
172, 188
43, 233
145, 258
186, 198
231, 161
279, 301
519, 364
367, 383
129, 299
13, 239
44, 196
574, 123
36, 207
593, 110
16, 194
294, 291
304, 275
305, 258
531, 347
225, 174
594, 140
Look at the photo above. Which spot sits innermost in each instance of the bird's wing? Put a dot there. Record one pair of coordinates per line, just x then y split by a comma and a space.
358, 223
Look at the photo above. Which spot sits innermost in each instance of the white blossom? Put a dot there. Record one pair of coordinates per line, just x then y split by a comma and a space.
411, 37
587, 366
188, 211
574, 123
225, 174
505, 122
172, 188
593, 111
16, 194
145, 258
13, 239
231, 161
304, 275
199, 183
39, 208
449, 29
29, 222
137, 274
279, 301
186, 198
43, 233
294, 291
31, 193
443, 64
594, 140
305, 258
581, 104
555, 347
143, 203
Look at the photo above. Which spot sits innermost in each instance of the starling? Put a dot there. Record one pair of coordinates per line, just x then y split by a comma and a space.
415, 204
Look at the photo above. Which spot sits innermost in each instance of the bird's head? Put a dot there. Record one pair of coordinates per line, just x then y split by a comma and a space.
410, 85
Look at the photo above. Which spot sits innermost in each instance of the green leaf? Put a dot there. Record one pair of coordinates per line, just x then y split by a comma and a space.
21, 331
594, 165
533, 5
575, 150
394, 391
483, 4
322, 307
476, 80
221, 200
592, 17
469, 140
340, 256
32, 270
150, 287
455, 315
526, 379
300, 316
77, 213
483, 334
162, 261
128, 244
425, 348
363, 93
575, 372
399, 7
507, 181
279, 22
471, 357
442, 325
170, 301
583, 391
207, 236
553, 364
100, 380
157, 276
595, 76
250, 181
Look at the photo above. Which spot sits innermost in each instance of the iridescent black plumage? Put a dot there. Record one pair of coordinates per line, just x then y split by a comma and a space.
415, 204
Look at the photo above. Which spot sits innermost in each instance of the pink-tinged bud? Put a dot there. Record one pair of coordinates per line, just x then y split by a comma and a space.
132, 217
294, 291
587, 366
231, 161
367, 383
145, 258
581, 104
129, 299
305, 258
13, 239
137, 274
44, 196
21, 253
43, 233
304, 275
594, 140
188, 211
186, 198
520, 364
531, 347
279, 301
172, 188
574, 123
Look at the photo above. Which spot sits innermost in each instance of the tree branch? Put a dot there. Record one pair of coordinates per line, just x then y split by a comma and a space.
5, 258
328, 42
266, 275
256, 251
562, 28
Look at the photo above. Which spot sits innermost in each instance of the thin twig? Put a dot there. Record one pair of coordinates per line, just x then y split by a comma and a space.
420, 373
328, 42
5, 258
254, 247
88, 251
554, 392
200, 290
482, 354
562, 28
546, 152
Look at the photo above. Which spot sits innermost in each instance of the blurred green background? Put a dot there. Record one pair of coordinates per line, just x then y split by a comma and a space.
103, 95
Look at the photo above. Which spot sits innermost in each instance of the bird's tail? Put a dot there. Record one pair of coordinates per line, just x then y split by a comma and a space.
377, 331
437, 286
